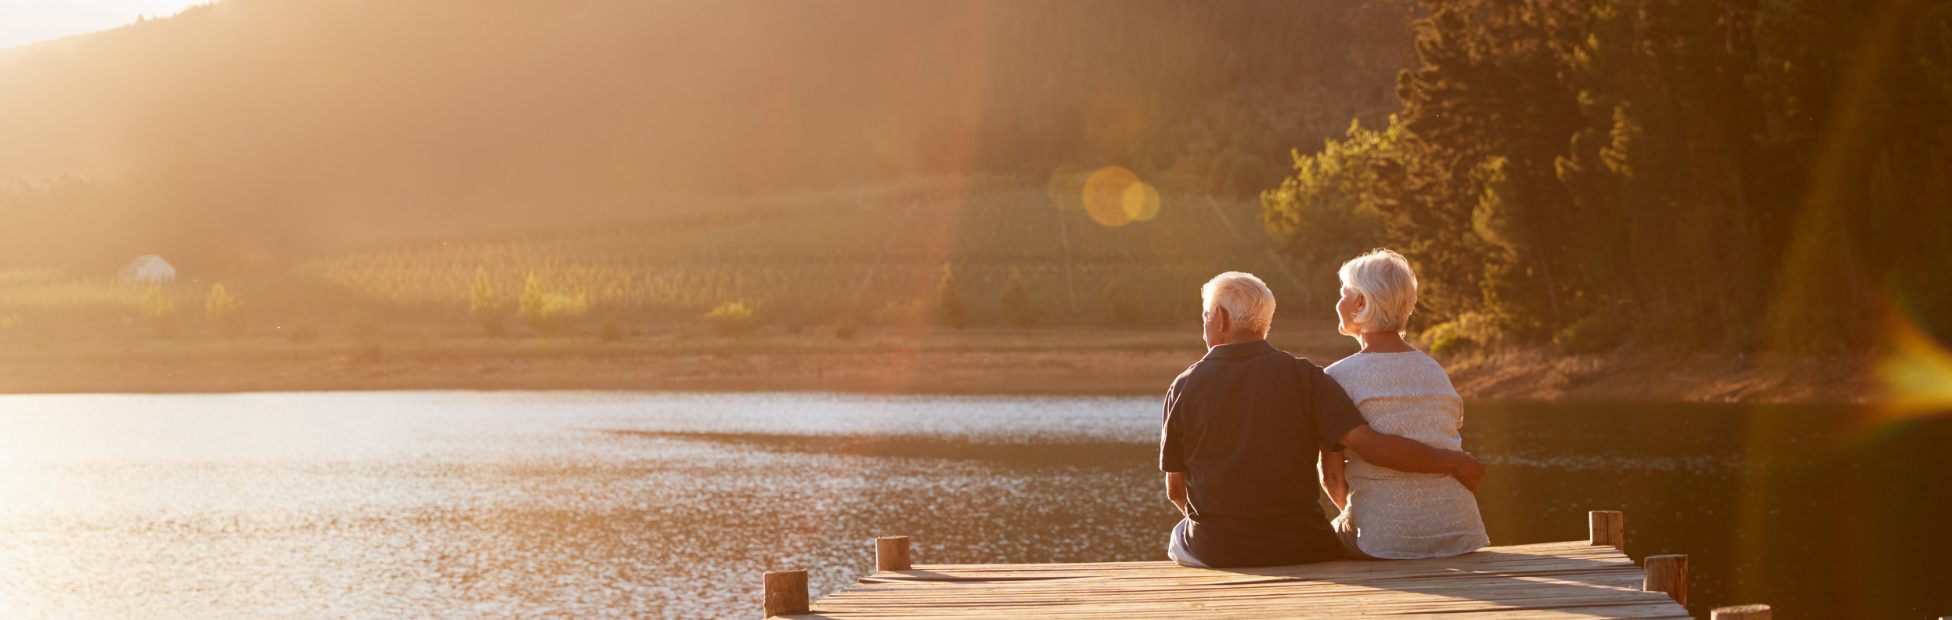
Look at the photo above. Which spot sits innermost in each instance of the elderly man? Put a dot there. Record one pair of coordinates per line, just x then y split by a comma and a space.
1242, 430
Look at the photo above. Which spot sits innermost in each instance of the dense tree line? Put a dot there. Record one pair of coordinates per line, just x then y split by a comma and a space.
1727, 174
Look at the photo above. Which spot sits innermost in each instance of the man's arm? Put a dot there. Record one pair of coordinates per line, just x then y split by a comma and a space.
1413, 456
1176, 490
1333, 480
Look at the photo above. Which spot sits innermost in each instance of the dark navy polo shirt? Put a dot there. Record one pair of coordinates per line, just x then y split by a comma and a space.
1245, 424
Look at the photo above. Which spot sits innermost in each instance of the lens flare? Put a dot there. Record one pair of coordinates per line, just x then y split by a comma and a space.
1915, 372
1114, 196
1141, 202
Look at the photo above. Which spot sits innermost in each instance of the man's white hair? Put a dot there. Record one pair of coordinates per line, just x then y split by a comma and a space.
1249, 303
1388, 288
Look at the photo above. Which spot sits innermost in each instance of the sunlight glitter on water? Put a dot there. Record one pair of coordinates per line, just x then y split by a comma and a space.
442, 504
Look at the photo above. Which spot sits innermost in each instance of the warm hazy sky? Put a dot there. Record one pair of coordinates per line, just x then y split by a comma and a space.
27, 21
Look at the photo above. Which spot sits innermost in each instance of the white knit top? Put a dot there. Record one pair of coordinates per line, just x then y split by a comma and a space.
1400, 515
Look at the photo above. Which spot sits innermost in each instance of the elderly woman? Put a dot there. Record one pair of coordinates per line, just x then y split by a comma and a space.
1390, 514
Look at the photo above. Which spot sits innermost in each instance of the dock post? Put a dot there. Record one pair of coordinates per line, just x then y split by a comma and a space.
891, 553
1608, 527
1668, 573
1740, 612
786, 592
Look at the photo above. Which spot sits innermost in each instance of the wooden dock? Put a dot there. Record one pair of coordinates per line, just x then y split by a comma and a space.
1578, 579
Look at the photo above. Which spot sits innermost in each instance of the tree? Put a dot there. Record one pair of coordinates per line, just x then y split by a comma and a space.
1016, 300
529, 306
221, 310
948, 300
1118, 303
1330, 209
549, 312
158, 310
483, 304
732, 317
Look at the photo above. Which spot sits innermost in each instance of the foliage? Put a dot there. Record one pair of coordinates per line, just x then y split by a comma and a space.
1319, 214
483, 304
158, 310
949, 308
220, 309
1460, 335
1118, 304
1211, 90
1556, 166
731, 317
1595, 333
1016, 300
549, 312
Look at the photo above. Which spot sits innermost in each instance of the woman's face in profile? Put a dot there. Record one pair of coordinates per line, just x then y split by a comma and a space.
1345, 312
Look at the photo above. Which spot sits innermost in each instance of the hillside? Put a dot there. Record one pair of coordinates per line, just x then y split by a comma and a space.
257, 131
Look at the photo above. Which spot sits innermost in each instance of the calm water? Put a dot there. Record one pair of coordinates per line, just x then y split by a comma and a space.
416, 504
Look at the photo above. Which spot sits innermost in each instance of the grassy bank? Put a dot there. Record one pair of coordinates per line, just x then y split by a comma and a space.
687, 357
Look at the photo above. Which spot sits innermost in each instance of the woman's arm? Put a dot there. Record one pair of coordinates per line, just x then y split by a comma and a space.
1333, 480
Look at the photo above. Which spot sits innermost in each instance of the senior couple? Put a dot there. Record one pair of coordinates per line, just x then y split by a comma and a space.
1248, 428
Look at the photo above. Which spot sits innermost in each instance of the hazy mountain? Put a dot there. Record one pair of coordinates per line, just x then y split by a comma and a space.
264, 126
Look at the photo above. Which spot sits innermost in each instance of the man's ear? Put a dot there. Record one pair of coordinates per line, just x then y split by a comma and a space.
1220, 318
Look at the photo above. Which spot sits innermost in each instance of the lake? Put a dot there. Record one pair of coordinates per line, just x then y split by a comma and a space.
444, 504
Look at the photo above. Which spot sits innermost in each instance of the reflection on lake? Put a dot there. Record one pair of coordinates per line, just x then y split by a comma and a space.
627, 505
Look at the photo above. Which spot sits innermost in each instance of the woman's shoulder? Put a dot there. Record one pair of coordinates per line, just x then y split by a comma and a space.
1396, 367
1394, 360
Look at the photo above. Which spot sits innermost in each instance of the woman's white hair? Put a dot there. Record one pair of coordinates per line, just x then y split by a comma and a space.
1388, 288
1249, 303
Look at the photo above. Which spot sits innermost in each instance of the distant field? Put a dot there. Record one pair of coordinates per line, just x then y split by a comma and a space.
864, 257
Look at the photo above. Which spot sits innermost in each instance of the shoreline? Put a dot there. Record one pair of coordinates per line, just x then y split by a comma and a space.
974, 362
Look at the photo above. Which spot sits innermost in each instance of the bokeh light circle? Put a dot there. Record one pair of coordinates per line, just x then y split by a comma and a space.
1141, 202
1105, 195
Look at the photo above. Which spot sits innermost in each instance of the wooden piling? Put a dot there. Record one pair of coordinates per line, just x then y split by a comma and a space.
1668, 573
786, 592
1608, 528
1740, 612
891, 553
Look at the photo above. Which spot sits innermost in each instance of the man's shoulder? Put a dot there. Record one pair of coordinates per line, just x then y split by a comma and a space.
1179, 382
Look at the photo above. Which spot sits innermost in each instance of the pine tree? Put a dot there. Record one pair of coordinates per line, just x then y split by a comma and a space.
530, 306
1016, 300
158, 310
1118, 304
221, 310
948, 300
483, 304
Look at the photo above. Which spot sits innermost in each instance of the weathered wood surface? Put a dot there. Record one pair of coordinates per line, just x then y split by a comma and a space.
1552, 580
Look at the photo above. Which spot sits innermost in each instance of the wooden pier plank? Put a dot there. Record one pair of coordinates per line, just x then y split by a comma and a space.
1551, 580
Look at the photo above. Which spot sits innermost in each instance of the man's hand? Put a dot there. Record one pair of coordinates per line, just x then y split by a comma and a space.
1467, 471
1413, 456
